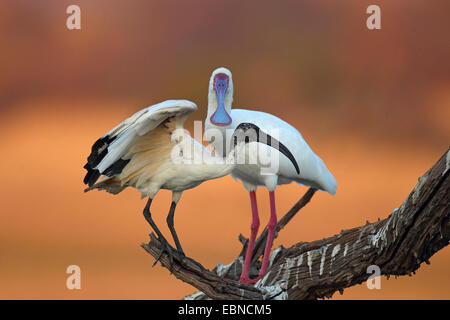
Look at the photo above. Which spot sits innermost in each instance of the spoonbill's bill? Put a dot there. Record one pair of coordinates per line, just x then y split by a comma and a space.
151, 151
311, 170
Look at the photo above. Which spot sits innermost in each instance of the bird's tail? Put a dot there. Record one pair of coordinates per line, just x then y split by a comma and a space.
327, 182
110, 184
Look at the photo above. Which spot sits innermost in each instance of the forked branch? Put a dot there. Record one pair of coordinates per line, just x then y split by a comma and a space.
398, 245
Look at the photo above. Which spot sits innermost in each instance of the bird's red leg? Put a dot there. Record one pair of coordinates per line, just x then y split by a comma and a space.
271, 226
251, 244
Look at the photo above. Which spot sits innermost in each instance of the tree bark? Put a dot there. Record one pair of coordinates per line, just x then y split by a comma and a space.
398, 245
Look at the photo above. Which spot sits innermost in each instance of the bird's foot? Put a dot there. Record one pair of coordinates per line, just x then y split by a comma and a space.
166, 248
181, 254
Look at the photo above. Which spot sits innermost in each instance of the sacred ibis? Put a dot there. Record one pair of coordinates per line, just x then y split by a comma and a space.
151, 150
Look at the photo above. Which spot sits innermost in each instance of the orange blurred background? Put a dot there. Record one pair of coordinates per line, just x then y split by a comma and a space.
373, 104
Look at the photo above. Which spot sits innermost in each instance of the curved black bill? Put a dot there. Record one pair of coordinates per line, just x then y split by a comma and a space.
249, 132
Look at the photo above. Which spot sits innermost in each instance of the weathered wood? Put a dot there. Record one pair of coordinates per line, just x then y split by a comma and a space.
398, 245
196, 275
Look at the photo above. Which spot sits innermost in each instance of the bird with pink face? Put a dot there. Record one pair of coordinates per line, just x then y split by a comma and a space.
296, 162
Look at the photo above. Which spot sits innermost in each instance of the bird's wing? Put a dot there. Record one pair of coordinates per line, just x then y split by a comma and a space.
107, 152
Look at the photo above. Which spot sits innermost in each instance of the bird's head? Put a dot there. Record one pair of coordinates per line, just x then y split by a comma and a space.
220, 97
249, 132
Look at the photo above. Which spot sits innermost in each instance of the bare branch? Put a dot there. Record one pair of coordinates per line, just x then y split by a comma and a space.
398, 245
196, 275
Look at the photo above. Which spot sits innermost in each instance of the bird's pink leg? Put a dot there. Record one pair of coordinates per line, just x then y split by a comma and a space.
251, 244
271, 226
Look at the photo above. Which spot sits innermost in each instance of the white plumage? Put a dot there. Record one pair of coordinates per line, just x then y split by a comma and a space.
141, 123
312, 170
151, 151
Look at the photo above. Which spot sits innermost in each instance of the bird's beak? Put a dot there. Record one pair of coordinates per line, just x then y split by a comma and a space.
221, 117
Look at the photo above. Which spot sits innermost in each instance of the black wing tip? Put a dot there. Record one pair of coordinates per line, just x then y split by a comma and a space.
98, 151
92, 175
116, 167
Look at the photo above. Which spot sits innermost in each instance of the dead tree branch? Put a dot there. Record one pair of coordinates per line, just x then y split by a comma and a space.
398, 245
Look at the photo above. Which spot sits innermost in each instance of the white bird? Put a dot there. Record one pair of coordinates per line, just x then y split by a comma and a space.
310, 169
151, 151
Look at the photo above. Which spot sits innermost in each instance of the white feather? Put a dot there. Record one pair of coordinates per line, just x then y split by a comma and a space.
313, 171
139, 124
